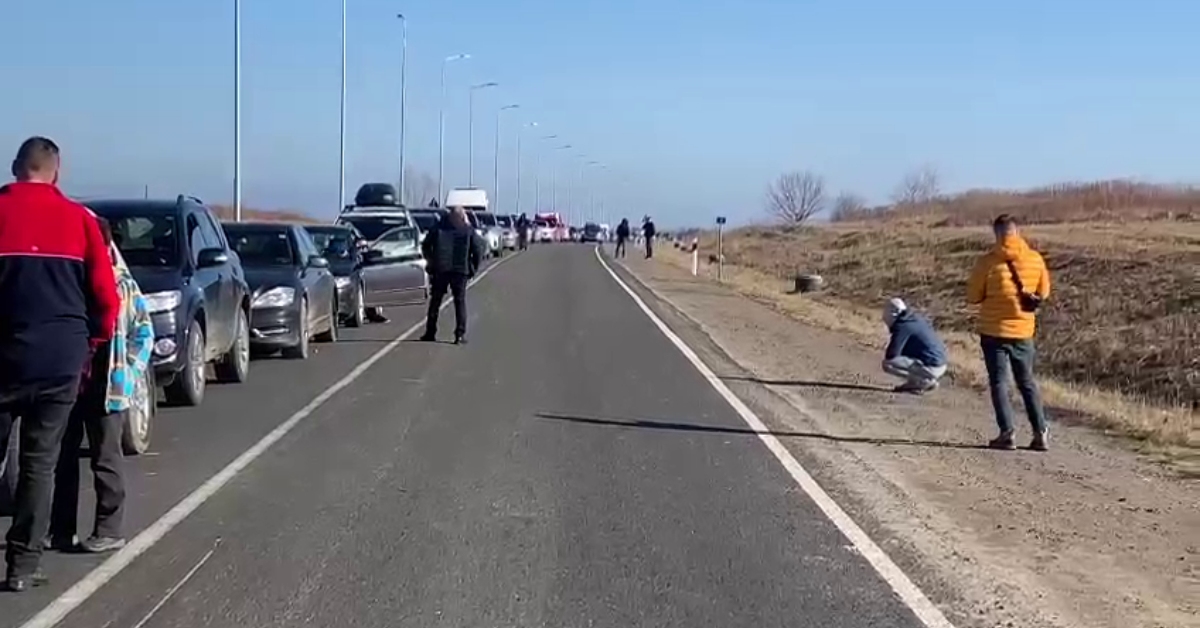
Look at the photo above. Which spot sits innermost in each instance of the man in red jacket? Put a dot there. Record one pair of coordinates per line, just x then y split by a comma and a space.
58, 300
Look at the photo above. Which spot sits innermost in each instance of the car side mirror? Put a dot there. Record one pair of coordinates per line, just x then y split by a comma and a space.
372, 256
207, 258
316, 261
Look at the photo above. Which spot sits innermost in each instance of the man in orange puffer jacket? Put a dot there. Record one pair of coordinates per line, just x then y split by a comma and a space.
1008, 284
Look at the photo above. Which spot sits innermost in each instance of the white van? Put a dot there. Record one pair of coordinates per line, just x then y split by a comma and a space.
474, 199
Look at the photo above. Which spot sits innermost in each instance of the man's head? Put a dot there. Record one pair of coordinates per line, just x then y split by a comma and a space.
458, 217
893, 309
37, 160
1004, 225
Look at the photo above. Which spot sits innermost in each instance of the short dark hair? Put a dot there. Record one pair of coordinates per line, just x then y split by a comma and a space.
36, 154
105, 230
1004, 222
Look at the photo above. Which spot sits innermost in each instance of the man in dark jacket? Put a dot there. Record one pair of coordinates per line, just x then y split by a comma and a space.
915, 353
523, 232
453, 252
648, 231
58, 301
622, 238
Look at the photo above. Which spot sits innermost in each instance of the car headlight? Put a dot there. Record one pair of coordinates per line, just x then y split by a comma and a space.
341, 282
275, 297
163, 301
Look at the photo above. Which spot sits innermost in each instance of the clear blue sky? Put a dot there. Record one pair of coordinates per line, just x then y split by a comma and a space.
694, 106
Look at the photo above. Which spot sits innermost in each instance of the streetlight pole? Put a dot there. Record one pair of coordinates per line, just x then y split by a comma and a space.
537, 175
237, 111
342, 133
403, 91
520, 132
471, 129
496, 155
442, 126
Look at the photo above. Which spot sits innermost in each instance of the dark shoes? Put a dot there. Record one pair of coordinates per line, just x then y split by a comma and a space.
21, 584
428, 337
460, 340
1006, 442
62, 543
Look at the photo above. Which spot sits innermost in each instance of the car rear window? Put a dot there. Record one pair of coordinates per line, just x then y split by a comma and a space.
262, 247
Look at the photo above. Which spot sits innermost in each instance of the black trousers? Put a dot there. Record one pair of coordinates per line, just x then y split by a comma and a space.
649, 247
619, 251
44, 409
104, 432
456, 284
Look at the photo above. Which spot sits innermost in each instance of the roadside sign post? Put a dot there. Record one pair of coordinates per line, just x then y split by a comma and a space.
695, 256
720, 247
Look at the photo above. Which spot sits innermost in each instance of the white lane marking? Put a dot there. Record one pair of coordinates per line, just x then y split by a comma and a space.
178, 585
909, 593
79, 592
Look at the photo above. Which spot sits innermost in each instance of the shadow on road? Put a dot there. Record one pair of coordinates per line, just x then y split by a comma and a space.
719, 429
812, 384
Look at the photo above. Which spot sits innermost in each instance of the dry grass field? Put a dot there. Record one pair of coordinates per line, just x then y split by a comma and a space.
1124, 316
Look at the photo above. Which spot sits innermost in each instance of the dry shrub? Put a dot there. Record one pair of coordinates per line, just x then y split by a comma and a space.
225, 212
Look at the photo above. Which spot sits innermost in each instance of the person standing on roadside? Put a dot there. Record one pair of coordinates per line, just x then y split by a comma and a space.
1009, 284
111, 390
453, 252
648, 231
622, 238
58, 302
523, 232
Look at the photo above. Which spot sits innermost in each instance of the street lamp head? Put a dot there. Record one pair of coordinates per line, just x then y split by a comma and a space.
485, 85
457, 57
507, 107
401, 16
550, 137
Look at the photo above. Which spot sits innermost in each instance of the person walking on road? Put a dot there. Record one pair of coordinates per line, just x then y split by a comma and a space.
649, 232
523, 232
58, 302
915, 353
111, 390
454, 252
622, 238
1009, 283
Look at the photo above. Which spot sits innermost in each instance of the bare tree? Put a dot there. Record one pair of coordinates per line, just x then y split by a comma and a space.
419, 187
917, 187
796, 197
848, 206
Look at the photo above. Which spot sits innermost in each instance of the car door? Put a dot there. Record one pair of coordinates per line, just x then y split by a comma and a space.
225, 314
394, 271
318, 282
207, 281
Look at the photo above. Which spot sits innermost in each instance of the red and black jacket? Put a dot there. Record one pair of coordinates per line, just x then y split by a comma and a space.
58, 293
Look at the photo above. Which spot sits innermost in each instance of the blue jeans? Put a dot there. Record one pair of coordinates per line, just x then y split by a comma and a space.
999, 354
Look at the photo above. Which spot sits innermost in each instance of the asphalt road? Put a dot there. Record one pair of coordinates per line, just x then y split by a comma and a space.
502, 483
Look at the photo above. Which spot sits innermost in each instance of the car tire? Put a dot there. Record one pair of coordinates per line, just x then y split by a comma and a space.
189, 384
331, 334
139, 421
359, 316
234, 366
8, 471
301, 350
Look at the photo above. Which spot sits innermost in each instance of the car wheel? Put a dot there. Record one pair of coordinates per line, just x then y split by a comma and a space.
139, 418
331, 334
359, 315
8, 471
234, 366
300, 351
188, 387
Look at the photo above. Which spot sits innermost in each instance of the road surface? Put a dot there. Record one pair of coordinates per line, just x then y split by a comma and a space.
503, 483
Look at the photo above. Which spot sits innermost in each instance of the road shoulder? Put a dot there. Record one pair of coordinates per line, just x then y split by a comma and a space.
1089, 535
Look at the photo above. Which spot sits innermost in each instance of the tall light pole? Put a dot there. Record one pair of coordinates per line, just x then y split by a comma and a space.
442, 126
342, 133
496, 155
403, 90
471, 129
520, 132
237, 111
554, 180
537, 175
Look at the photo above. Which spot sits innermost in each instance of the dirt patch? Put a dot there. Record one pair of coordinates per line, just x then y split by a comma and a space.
1089, 535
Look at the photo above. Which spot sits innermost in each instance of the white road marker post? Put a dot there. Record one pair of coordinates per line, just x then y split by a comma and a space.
695, 256
720, 247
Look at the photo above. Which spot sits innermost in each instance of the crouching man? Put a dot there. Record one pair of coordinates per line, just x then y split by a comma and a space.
915, 353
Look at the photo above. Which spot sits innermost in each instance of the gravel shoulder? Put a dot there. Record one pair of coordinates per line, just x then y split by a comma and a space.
1089, 535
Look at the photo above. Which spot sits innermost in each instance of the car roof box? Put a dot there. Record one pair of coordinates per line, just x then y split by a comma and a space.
377, 194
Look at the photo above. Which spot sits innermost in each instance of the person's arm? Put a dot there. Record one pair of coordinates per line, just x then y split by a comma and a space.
1043, 284
477, 245
977, 282
427, 245
895, 348
102, 283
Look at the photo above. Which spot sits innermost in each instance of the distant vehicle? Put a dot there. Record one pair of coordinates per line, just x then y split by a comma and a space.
294, 293
591, 232
543, 231
508, 231
195, 286
555, 222
375, 211
491, 232
474, 199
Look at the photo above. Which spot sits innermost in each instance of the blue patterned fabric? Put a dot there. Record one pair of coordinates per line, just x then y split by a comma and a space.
132, 343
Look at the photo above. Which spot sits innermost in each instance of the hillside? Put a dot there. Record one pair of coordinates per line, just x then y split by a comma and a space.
225, 212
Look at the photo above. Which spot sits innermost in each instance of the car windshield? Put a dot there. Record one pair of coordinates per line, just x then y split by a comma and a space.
374, 226
145, 240
261, 246
504, 221
397, 242
426, 220
541, 224
334, 244
488, 219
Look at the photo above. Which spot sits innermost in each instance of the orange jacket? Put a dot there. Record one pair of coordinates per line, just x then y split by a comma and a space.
991, 287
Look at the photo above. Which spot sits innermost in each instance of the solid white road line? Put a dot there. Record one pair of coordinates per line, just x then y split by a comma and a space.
909, 593
54, 612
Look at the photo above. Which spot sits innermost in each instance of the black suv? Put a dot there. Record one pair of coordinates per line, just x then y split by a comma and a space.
195, 286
